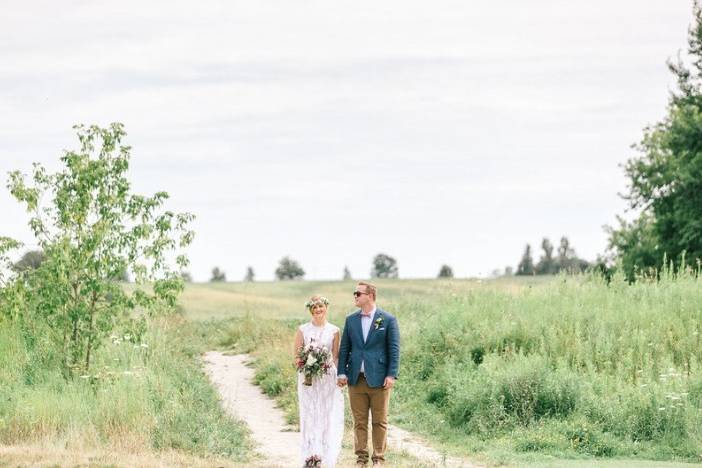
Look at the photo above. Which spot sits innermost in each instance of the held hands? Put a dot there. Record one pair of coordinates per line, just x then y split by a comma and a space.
389, 382
341, 382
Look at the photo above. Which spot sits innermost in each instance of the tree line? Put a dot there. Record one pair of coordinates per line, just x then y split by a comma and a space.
565, 260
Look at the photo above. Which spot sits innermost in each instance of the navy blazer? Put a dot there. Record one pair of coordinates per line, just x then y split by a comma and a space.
380, 353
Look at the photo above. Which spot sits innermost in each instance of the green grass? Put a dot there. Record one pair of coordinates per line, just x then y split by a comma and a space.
138, 397
520, 372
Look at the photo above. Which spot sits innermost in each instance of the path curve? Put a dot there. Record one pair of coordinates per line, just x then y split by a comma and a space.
278, 444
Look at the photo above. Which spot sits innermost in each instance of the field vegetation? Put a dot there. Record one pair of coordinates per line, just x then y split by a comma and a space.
508, 371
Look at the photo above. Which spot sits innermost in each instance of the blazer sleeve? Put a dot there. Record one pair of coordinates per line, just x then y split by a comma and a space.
393, 350
344, 348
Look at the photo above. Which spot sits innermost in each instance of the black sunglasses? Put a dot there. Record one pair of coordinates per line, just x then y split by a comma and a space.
358, 293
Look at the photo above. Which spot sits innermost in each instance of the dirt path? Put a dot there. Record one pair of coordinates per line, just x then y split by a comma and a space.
274, 437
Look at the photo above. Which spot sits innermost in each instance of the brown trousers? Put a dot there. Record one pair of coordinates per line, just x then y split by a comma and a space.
363, 399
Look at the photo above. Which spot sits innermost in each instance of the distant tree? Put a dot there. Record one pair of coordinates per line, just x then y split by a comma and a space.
526, 264
122, 275
567, 260
218, 275
445, 272
347, 273
384, 266
665, 179
509, 271
186, 277
250, 275
547, 264
565, 254
31, 260
289, 269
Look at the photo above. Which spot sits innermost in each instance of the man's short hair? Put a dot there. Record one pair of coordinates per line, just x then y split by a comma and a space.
371, 289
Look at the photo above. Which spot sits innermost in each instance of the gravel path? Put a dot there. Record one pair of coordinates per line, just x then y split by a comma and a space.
278, 445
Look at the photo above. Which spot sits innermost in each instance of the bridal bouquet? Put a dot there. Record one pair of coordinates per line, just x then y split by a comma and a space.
313, 361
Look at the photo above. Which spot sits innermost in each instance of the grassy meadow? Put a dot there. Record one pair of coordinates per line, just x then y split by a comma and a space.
557, 372
565, 371
144, 403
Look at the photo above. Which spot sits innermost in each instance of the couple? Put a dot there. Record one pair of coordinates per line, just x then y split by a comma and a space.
366, 357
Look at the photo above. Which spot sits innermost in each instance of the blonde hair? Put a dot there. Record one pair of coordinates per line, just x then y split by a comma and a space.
371, 289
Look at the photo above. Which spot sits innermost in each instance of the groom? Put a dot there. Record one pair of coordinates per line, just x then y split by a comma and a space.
369, 359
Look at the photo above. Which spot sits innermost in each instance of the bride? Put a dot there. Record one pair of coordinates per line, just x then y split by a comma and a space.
321, 404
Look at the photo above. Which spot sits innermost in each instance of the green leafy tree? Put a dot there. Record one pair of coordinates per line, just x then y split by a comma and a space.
91, 229
635, 246
445, 272
289, 269
347, 274
565, 254
31, 260
186, 276
384, 266
250, 275
547, 264
218, 276
665, 178
567, 260
526, 264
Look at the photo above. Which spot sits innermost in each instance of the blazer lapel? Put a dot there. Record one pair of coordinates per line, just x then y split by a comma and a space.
359, 327
378, 314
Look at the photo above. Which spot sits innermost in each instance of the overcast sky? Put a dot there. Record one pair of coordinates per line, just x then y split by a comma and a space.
437, 132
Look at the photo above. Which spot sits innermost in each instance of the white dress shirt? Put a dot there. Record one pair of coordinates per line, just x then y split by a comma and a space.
366, 322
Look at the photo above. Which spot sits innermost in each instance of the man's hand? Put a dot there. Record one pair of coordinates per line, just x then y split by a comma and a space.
389, 382
341, 382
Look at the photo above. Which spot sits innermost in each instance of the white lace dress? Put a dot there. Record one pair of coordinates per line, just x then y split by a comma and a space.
321, 405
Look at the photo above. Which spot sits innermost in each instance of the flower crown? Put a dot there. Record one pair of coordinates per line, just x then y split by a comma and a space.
311, 303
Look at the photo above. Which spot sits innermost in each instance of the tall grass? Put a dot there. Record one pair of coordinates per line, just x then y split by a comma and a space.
141, 397
570, 367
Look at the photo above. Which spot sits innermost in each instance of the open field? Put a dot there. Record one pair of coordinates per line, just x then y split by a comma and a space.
529, 372
557, 372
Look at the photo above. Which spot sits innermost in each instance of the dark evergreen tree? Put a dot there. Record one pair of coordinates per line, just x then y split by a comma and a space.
250, 275
526, 264
445, 272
